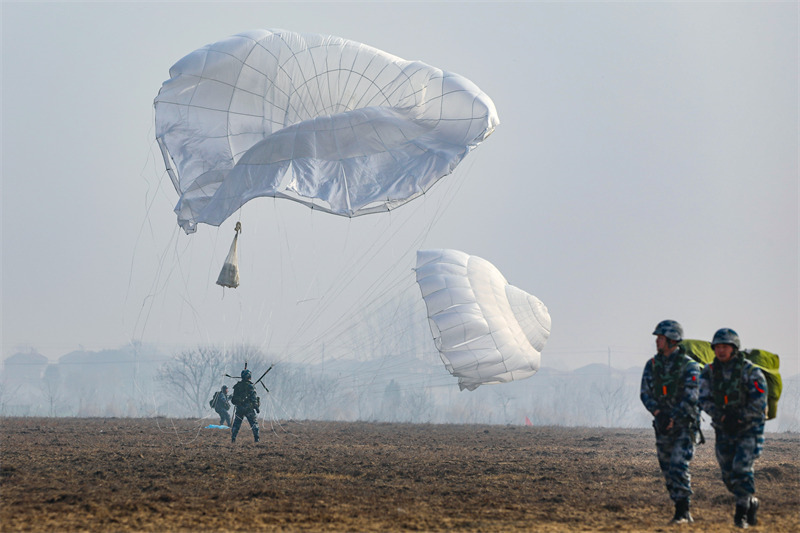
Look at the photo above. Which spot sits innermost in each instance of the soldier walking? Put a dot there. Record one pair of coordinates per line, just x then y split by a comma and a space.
734, 393
669, 391
221, 404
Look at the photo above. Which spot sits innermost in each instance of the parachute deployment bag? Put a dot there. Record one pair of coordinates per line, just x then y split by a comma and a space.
700, 351
769, 363
229, 275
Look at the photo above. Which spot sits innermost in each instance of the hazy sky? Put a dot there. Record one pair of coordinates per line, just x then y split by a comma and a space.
645, 167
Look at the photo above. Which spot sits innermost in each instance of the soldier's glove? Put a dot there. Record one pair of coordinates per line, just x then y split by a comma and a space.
661, 422
732, 423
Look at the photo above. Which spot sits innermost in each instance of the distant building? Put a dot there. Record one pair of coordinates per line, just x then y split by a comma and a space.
25, 367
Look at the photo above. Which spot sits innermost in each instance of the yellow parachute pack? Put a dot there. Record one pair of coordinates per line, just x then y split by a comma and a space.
768, 362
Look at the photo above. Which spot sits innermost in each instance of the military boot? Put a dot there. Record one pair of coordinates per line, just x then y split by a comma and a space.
682, 515
752, 510
740, 516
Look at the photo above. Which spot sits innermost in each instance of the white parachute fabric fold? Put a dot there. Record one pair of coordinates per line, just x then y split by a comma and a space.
486, 330
331, 123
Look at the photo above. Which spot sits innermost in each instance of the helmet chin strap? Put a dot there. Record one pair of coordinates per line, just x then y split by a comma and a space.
671, 344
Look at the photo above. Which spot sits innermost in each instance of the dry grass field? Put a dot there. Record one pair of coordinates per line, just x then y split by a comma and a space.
173, 475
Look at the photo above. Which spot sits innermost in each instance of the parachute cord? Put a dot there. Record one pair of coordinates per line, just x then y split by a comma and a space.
377, 290
333, 294
375, 251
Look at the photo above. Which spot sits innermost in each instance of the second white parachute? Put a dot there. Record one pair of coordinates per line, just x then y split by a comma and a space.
486, 330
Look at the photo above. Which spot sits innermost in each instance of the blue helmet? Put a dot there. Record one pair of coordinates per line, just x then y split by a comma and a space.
246, 375
670, 329
726, 336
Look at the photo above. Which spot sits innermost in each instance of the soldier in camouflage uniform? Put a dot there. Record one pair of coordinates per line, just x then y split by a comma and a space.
669, 391
221, 404
247, 405
734, 393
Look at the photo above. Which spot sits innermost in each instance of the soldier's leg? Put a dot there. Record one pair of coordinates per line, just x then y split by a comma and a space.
664, 452
680, 479
226, 420
742, 479
237, 423
253, 419
725, 449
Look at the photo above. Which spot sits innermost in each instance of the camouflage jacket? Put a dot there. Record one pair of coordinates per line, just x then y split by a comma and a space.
221, 402
751, 400
245, 397
678, 399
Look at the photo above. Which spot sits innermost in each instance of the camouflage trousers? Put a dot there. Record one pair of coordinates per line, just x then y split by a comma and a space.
674, 454
736, 455
237, 422
224, 418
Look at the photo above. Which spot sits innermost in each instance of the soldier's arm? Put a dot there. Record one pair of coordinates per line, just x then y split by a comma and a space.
755, 407
706, 394
646, 389
685, 409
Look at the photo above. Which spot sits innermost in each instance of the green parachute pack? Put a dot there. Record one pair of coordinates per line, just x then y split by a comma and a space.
768, 362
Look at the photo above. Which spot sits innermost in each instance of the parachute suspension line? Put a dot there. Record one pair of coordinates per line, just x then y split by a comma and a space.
375, 294
149, 202
146, 308
341, 284
282, 231
275, 420
148, 302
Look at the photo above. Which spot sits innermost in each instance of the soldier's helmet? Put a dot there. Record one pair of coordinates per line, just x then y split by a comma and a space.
224, 388
246, 375
670, 329
726, 336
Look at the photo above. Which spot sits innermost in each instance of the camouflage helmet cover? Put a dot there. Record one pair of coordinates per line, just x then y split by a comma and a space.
246, 375
726, 336
670, 329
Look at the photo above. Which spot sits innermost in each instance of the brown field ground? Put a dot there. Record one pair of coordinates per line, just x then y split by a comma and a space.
174, 475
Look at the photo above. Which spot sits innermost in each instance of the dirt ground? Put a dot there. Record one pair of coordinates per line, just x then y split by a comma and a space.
175, 475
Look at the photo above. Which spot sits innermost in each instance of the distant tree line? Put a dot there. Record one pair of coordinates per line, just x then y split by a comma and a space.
140, 381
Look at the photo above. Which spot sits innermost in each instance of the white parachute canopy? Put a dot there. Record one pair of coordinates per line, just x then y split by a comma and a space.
486, 330
334, 124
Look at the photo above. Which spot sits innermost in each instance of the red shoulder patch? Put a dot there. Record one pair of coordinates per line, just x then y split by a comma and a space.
759, 389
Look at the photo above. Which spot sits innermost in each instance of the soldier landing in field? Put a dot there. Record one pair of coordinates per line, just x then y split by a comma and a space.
247, 405
734, 393
669, 391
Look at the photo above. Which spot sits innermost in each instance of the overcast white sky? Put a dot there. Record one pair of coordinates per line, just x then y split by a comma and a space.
645, 167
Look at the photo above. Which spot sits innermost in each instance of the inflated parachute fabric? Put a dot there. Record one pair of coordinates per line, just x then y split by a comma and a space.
486, 330
334, 124
768, 362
